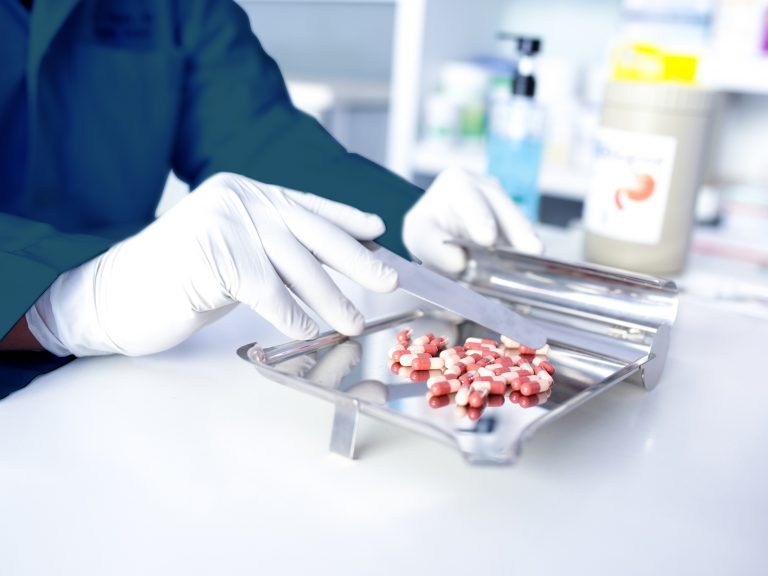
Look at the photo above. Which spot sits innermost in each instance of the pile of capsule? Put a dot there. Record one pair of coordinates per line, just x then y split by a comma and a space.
476, 374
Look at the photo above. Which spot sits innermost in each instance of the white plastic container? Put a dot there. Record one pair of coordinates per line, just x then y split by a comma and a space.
650, 156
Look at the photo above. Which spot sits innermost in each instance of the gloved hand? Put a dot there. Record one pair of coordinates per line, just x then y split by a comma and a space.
231, 240
460, 205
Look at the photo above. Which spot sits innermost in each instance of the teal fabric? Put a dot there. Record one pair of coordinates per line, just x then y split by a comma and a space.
100, 99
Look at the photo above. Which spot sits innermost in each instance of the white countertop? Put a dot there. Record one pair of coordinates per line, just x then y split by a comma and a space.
189, 462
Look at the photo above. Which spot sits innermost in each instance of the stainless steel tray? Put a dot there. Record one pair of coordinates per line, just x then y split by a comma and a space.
616, 329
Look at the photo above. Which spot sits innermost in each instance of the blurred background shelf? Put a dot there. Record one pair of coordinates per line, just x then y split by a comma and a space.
430, 160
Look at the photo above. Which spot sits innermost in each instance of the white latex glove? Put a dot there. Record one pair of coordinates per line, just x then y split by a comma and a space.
464, 206
232, 240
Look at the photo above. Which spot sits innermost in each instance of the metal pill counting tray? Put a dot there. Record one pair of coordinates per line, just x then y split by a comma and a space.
604, 326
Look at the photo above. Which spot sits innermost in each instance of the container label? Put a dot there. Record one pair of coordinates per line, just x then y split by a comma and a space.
630, 185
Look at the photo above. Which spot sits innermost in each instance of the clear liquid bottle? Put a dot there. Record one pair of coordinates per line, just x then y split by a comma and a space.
516, 129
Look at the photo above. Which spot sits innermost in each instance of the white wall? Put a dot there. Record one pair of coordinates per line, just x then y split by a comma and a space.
578, 31
741, 150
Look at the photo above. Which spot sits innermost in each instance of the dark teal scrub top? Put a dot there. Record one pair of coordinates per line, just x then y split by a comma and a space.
100, 99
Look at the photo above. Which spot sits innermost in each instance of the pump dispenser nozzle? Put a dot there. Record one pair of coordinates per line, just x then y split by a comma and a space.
523, 81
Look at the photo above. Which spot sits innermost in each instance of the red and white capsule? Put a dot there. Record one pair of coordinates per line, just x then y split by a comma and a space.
426, 339
453, 351
483, 341
444, 387
462, 394
427, 363
508, 342
477, 398
404, 336
517, 383
538, 385
407, 359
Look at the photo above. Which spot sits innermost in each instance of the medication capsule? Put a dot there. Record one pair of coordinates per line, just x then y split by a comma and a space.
394, 349
508, 342
534, 400
540, 364
445, 387
481, 383
544, 376
473, 346
527, 367
492, 384
462, 394
486, 341
438, 342
428, 363
404, 335
466, 379
543, 351
453, 351
517, 383
426, 339
530, 388
439, 401
477, 398
435, 379
453, 372
497, 369
407, 359
498, 387
495, 400
399, 354
423, 349
512, 375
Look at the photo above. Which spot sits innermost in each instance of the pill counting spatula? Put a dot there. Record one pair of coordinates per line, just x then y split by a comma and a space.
420, 281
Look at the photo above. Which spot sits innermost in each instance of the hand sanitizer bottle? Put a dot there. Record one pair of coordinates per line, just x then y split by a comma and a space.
516, 131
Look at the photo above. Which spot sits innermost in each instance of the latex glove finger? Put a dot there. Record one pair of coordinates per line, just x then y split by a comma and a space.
465, 212
255, 282
304, 275
356, 223
336, 364
514, 225
337, 249
428, 241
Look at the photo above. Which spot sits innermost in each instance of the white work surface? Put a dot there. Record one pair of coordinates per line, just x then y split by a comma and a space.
190, 463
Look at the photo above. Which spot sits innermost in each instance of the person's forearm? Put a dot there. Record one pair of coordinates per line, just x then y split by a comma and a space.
20, 338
